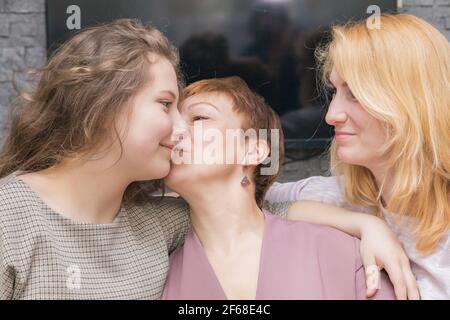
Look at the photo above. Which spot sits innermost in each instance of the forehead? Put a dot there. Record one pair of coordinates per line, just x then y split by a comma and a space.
163, 76
222, 103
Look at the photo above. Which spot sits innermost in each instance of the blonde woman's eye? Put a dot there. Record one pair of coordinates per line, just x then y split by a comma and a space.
352, 96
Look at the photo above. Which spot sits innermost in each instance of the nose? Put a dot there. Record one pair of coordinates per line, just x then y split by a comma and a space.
180, 128
335, 114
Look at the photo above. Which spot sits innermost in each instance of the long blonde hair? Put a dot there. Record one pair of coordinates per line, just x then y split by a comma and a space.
400, 74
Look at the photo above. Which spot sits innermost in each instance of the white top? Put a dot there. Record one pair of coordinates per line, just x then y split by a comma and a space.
432, 271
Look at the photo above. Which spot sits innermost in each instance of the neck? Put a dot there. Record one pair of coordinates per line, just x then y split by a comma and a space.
82, 191
383, 180
223, 213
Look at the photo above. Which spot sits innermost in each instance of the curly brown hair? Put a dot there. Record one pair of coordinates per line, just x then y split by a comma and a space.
79, 94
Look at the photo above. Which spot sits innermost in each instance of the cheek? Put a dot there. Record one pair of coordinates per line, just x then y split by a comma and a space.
203, 139
371, 129
206, 150
358, 116
374, 134
146, 130
369, 140
356, 153
215, 146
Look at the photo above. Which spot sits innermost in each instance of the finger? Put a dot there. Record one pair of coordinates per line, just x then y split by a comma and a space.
411, 283
372, 273
372, 280
396, 276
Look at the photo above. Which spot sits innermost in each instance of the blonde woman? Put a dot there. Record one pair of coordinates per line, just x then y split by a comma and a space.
391, 151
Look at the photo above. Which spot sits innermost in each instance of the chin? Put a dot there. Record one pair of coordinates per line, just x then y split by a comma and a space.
158, 170
352, 157
346, 155
180, 176
173, 178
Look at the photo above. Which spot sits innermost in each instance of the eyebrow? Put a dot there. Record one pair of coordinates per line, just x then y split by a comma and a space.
171, 93
202, 102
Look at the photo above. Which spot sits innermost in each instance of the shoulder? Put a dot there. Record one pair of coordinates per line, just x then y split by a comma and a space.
171, 205
18, 206
330, 182
316, 188
325, 189
329, 190
168, 215
21, 218
165, 211
12, 192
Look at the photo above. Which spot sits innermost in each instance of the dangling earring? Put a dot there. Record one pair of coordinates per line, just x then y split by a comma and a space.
245, 181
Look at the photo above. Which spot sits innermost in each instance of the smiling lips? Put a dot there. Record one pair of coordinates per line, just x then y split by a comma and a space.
339, 135
168, 146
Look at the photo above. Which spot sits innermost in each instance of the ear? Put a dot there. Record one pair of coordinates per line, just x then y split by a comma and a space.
258, 150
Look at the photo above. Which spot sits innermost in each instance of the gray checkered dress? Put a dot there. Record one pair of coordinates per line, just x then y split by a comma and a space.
44, 255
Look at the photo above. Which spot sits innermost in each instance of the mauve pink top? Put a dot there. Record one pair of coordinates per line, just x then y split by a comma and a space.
298, 261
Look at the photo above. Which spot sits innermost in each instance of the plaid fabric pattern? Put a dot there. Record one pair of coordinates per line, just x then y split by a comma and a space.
44, 255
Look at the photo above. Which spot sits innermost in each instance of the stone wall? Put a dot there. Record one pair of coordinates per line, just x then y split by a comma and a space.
437, 12
22, 45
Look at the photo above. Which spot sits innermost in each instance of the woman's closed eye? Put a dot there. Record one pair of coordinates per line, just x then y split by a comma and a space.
199, 118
